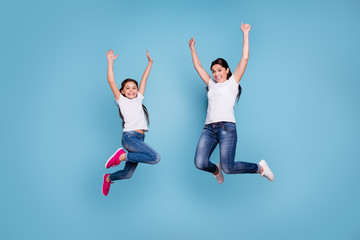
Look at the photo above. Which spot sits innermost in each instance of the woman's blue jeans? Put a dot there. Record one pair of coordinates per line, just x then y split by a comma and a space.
138, 152
224, 134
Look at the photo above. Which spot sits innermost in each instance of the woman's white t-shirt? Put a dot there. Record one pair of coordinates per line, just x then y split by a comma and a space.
221, 100
133, 113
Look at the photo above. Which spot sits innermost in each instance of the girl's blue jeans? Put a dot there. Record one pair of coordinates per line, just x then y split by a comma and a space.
224, 134
138, 151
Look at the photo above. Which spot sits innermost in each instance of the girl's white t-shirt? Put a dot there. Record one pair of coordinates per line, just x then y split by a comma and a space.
221, 101
133, 113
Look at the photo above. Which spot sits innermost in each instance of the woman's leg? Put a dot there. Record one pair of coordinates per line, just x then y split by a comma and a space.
138, 151
205, 147
227, 140
126, 173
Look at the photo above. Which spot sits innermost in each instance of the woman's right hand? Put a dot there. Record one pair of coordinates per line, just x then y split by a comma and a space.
110, 56
192, 42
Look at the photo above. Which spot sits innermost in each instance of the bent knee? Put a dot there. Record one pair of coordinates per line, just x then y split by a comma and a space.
227, 170
199, 164
155, 158
127, 176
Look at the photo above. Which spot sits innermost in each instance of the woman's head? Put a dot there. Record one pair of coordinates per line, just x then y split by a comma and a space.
129, 88
220, 70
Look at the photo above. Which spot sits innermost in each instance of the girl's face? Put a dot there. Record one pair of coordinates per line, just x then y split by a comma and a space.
130, 90
219, 73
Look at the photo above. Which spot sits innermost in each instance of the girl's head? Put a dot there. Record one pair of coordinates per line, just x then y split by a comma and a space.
221, 72
129, 88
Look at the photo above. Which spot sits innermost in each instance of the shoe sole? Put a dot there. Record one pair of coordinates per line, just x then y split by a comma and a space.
102, 189
111, 157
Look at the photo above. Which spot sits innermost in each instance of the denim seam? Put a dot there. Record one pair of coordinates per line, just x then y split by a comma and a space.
233, 152
208, 153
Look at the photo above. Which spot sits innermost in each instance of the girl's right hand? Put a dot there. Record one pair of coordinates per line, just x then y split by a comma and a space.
110, 56
192, 42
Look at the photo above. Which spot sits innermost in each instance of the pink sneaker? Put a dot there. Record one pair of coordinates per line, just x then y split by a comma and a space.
114, 159
106, 185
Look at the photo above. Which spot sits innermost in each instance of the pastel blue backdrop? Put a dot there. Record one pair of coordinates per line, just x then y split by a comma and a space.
59, 123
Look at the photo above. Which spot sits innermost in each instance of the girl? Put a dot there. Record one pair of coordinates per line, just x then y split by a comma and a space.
135, 120
220, 126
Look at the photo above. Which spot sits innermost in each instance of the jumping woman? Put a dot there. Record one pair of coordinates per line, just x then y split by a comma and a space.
135, 123
223, 90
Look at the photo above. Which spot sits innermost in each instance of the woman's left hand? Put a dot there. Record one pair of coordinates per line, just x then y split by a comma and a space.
245, 27
148, 56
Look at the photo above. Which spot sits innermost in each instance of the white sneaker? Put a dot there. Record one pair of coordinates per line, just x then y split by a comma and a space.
219, 177
266, 171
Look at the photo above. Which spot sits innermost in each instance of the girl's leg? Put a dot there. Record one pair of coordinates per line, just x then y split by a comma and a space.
126, 173
138, 151
205, 147
227, 141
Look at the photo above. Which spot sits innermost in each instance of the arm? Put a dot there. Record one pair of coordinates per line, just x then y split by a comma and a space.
146, 74
240, 69
110, 73
202, 73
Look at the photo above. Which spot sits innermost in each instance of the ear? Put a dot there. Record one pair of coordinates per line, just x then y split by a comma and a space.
122, 92
227, 70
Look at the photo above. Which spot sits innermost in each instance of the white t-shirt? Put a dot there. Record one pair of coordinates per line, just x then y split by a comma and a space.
221, 101
133, 113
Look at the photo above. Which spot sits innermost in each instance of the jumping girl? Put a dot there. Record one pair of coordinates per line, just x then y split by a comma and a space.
220, 126
135, 120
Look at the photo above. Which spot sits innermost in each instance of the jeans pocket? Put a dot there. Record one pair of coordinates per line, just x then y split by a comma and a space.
207, 126
228, 126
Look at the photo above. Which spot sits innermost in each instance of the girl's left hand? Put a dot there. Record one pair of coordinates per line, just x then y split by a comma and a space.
245, 27
148, 56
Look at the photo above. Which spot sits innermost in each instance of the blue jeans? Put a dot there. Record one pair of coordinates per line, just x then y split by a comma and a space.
138, 151
225, 134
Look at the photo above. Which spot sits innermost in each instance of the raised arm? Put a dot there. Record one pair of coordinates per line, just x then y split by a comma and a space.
110, 73
201, 71
240, 69
146, 74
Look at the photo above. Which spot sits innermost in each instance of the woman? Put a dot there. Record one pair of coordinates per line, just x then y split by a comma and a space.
220, 126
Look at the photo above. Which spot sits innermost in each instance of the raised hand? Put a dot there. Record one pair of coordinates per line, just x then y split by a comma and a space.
192, 42
148, 56
110, 56
245, 27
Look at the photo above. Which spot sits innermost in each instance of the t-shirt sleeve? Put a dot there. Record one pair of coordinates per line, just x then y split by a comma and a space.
211, 82
232, 79
121, 99
140, 96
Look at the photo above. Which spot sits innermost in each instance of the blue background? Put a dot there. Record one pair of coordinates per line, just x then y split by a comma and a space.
299, 111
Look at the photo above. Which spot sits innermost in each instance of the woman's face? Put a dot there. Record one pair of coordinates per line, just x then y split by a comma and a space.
219, 73
130, 90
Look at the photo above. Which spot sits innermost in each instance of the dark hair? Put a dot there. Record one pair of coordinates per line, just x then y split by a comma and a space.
225, 65
144, 108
